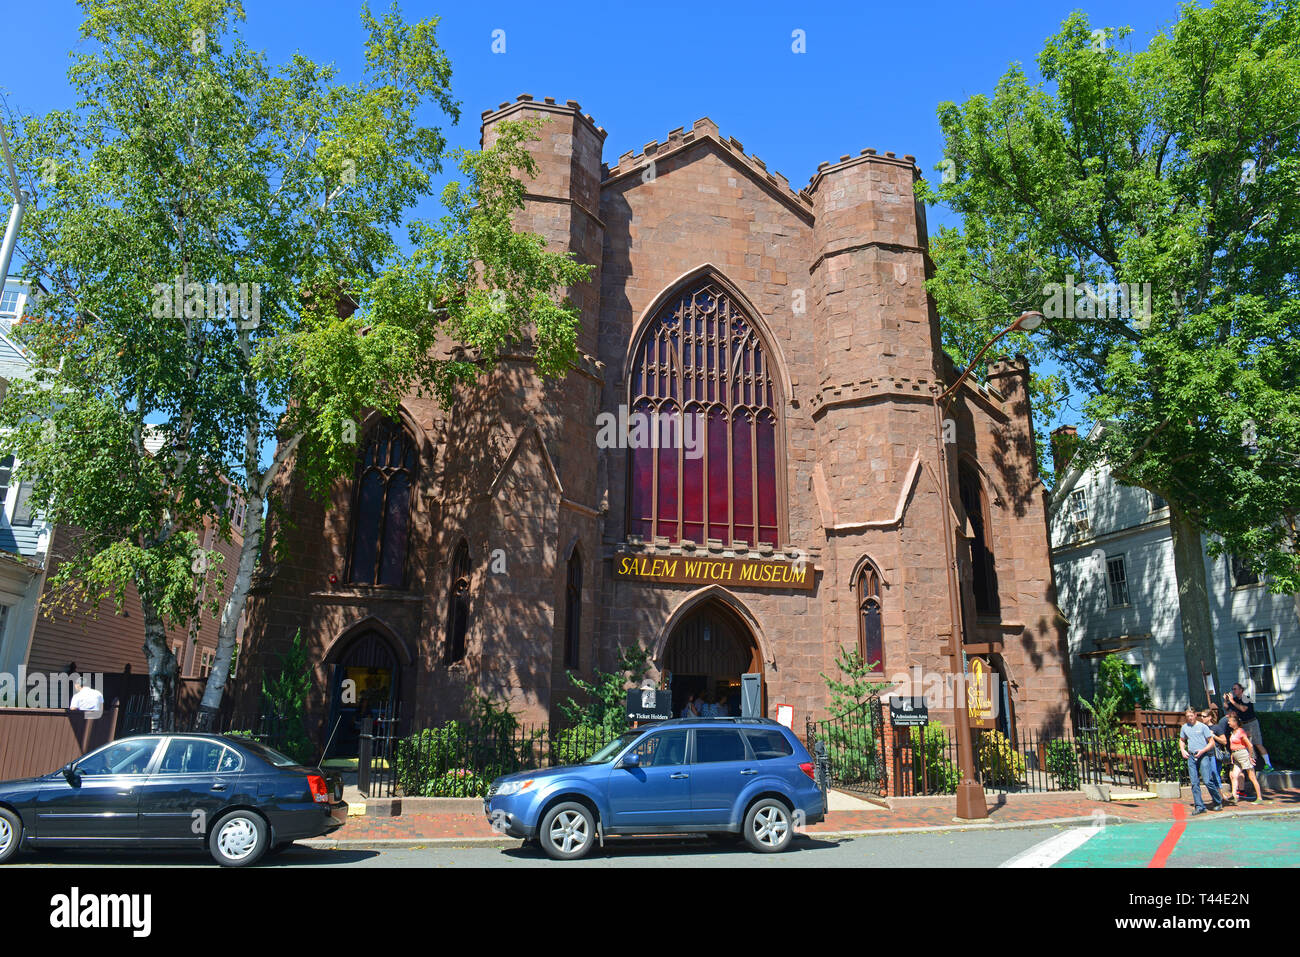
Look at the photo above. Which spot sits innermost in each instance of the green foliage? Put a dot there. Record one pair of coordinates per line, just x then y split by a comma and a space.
853, 688
999, 761
461, 758
1281, 733
190, 159
1174, 169
941, 773
428, 755
1104, 713
285, 697
604, 710
1063, 763
576, 744
1121, 680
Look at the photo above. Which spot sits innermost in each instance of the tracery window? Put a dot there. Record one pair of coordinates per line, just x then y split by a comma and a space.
703, 425
871, 641
381, 508
458, 603
573, 610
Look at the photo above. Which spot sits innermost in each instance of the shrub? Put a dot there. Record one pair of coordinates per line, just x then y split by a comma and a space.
1063, 763
285, 697
458, 782
999, 761
1118, 679
428, 755
1281, 733
577, 744
941, 772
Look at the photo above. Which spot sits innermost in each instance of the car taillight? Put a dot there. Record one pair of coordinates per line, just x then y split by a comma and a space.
807, 768
319, 791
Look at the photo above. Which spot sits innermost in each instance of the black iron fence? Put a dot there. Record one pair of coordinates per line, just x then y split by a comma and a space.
855, 747
461, 760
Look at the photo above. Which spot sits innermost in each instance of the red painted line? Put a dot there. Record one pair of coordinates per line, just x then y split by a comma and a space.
1171, 839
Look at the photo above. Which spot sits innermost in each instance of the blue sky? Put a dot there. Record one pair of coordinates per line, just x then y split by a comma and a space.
872, 74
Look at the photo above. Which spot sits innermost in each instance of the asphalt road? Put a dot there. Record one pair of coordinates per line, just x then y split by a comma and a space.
1263, 841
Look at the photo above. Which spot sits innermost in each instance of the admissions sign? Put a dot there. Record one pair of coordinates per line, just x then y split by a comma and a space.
743, 572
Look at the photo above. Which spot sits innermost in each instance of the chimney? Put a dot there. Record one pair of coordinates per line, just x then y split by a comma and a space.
1065, 440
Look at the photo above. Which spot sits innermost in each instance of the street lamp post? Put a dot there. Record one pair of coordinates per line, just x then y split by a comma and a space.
15, 215
970, 793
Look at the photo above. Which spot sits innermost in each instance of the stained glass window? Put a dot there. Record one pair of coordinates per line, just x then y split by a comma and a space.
703, 428
381, 509
871, 641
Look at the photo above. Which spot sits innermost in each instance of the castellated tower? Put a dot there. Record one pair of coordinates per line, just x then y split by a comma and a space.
878, 370
520, 478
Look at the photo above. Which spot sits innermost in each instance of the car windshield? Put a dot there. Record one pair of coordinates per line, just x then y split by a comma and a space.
610, 751
269, 755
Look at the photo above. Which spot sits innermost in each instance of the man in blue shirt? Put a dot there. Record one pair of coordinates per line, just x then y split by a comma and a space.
1196, 743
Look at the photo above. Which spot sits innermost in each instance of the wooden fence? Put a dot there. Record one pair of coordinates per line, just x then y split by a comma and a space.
37, 741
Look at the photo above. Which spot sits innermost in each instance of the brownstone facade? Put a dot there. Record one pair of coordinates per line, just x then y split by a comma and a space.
828, 282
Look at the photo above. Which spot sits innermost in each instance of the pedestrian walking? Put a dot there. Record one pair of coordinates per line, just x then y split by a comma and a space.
1196, 744
1243, 759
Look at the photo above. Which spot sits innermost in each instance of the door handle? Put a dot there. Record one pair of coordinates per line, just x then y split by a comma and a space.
749, 771
678, 776
218, 787
127, 793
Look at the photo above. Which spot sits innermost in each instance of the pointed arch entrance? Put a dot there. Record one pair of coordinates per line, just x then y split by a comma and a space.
706, 653
365, 687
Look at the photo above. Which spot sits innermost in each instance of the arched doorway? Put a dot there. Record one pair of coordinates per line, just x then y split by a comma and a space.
365, 688
707, 653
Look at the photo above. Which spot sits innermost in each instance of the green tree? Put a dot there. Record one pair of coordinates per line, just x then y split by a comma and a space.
1118, 679
218, 241
852, 687
1148, 202
285, 699
604, 707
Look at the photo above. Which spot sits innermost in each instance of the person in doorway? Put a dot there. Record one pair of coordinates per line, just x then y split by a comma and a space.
1243, 759
722, 709
691, 710
1196, 743
708, 709
1242, 702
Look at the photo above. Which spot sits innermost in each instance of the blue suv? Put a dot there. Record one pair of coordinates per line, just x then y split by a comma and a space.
738, 776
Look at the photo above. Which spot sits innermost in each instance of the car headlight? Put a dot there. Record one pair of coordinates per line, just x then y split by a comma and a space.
514, 787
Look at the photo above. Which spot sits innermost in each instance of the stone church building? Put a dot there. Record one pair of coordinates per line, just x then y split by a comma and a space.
738, 476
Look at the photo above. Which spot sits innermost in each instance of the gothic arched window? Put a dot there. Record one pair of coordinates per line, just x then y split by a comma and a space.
983, 568
871, 640
573, 611
381, 507
458, 603
703, 430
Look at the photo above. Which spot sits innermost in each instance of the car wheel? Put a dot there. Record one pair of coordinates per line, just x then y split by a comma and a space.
768, 827
568, 831
238, 839
11, 834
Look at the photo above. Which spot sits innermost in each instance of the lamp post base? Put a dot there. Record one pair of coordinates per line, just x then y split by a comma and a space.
970, 802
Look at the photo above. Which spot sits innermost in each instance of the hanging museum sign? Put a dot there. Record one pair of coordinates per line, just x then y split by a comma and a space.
740, 572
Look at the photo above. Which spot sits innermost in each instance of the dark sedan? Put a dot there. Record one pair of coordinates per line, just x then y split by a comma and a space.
233, 795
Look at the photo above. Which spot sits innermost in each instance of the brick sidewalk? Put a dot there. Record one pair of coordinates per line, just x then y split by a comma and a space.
923, 814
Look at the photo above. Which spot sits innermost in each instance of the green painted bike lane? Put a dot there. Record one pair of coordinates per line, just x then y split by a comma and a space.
1202, 841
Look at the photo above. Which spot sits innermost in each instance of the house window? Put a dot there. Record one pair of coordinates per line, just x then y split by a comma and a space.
1117, 576
458, 604
983, 568
573, 611
205, 664
871, 641
1257, 656
1157, 502
9, 303
381, 507
1242, 574
1079, 504
6, 473
704, 429
22, 515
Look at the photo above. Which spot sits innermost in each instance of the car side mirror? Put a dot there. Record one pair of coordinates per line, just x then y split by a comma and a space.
630, 760
70, 772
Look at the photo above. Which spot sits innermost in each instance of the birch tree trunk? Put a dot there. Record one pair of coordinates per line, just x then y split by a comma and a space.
231, 613
162, 666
